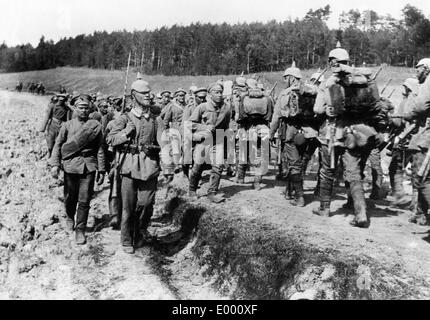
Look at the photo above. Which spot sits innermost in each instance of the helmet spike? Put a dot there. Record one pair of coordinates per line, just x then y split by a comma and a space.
293, 65
338, 45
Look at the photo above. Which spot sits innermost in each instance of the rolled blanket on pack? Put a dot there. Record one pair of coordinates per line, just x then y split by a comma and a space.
83, 138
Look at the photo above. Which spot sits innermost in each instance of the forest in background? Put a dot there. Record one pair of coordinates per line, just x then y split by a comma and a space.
209, 49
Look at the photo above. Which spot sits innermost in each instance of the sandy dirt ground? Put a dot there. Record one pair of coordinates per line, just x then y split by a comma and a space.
38, 259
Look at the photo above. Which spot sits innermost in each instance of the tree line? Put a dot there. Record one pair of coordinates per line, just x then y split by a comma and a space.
207, 49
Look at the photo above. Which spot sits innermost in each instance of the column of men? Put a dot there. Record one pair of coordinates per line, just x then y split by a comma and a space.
345, 118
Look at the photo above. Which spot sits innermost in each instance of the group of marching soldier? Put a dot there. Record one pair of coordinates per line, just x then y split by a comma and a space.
134, 138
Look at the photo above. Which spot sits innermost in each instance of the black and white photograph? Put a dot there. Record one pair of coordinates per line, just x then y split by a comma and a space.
229, 151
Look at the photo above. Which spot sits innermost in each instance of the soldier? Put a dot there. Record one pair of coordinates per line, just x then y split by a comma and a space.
79, 149
56, 114
400, 157
416, 109
171, 137
206, 119
199, 98
134, 134
351, 104
255, 114
293, 113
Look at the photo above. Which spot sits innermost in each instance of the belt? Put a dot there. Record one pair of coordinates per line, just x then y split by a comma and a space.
87, 153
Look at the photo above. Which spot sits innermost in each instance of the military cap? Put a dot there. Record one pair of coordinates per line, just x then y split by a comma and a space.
423, 62
215, 86
339, 53
240, 82
293, 71
201, 92
193, 88
140, 86
179, 91
81, 99
165, 91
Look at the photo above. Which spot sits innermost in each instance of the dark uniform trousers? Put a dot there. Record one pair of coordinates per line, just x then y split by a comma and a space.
138, 198
78, 191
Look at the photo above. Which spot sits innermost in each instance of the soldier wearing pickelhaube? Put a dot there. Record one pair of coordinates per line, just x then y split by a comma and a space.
400, 156
350, 103
294, 116
416, 108
134, 135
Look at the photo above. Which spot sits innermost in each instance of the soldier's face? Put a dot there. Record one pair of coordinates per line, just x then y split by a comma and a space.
143, 99
83, 111
181, 97
165, 99
216, 95
200, 99
422, 73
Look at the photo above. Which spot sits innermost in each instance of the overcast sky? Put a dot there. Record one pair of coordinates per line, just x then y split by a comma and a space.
24, 21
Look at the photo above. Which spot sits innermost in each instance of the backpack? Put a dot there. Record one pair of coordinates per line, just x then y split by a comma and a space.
298, 101
357, 95
256, 103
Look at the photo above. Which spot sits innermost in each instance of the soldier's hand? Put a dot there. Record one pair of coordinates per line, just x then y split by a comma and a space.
130, 128
55, 171
100, 177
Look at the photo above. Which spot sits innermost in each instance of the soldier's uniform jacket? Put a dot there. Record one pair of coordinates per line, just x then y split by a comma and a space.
173, 115
289, 119
136, 164
417, 107
188, 111
207, 116
90, 159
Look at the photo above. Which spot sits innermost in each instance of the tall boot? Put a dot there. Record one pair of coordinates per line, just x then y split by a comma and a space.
357, 192
377, 180
297, 182
399, 193
280, 175
214, 182
194, 183
115, 209
414, 200
240, 175
288, 193
349, 202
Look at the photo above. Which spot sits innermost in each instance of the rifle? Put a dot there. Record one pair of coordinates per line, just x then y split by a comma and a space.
114, 173
125, 86
331, 132
273, 88
424, 170
321, 74
389, 96
376, 74
386, 86
394, 140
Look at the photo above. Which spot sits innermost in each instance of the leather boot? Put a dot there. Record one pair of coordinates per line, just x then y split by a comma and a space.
80, 238
194, 182
323, 210
297, 182
414, 200
349, 202
240, 174
288, 193
357, 193
257, 182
